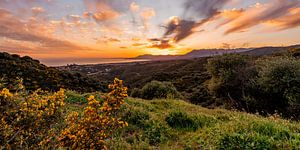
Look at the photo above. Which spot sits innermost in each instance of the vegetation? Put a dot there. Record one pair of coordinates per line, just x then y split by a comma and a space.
268, 87
265, 85
36, 75
156, 89
180, 125
97, 123
34, 121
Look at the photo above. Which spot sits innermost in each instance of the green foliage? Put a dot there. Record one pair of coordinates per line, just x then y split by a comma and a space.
136, 92
272, 130
28, 120
229, 75
155, 133
36, 75
181, 120
169, 128
268, 85
73, 97
137, 117
156, 89
244, 142
201, 96
280, 78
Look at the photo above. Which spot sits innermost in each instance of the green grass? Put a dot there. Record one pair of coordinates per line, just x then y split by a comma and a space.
175, 124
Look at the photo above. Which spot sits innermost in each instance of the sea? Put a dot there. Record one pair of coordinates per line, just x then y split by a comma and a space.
65, 62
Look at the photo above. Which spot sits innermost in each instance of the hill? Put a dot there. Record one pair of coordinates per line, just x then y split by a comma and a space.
175, 124
269, 50
36, 75
193, 54
260, 51
187, 74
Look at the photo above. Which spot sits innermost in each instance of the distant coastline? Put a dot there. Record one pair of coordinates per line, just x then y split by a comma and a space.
57, 63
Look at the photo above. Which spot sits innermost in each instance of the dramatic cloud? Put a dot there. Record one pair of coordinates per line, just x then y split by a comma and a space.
261, 13
37, 10
134, 7
178, 29
146, 15
108, 40
138, 44
289, 21
13, 28
106, 10
203, 8
105, 15
161, 44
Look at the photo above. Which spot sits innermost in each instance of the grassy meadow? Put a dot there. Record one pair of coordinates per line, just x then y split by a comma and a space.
176, 124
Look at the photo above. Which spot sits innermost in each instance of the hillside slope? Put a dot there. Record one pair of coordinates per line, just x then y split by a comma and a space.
36, 75
175, 124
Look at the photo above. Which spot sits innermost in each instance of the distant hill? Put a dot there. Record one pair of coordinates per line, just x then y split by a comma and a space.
213, 52
157, 57
36, 75
193, 54
268, 50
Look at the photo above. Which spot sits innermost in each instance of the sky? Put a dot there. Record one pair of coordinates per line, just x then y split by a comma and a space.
91, 29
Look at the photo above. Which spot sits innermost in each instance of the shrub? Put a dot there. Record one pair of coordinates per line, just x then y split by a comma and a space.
181, 120
136, 93
278, 85
27, 120
73, 97
156, 89
137, 117
272, 130
201, 96
98, 122
155, 133
229, 75
244, 142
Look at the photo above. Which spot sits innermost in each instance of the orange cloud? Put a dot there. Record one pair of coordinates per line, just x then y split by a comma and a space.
37, 10
138, 44
162, 44
105, 15
261, 13
134, 7
289, 21
32, 32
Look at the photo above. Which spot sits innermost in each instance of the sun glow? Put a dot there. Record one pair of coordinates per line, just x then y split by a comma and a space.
162, 52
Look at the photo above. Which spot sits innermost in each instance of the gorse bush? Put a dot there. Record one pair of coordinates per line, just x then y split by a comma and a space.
35, 121
98, 123
26, 121
156, 89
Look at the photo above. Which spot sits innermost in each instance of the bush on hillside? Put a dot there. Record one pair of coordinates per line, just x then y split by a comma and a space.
98, 122
268, 85
136, 92
201, 96
27, 121
230, 78
278, 83
181, 120
156, 89
229, 74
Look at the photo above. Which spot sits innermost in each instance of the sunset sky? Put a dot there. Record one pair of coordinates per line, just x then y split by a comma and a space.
62, 29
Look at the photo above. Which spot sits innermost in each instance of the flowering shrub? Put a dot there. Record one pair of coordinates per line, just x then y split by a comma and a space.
98, 122
27, 120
